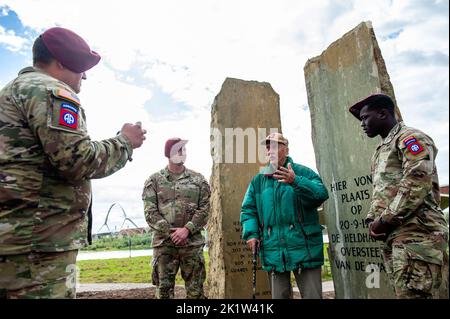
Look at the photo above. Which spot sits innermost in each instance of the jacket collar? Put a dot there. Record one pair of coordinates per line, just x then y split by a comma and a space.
166, 173
28, 69
267, 170
394, 131
288, 161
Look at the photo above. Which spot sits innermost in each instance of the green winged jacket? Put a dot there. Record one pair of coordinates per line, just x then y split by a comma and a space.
284, 217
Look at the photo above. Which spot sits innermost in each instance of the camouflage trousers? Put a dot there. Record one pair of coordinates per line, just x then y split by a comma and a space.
417, 269
38, 275
167, 260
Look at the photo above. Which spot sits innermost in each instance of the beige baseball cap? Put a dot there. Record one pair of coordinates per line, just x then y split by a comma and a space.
276, 137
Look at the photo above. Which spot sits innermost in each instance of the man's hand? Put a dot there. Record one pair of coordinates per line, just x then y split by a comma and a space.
134, 133
285, 175
379, 230
253, 244
179, 236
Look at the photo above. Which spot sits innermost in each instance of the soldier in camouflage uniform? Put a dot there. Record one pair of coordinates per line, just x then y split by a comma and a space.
46, 162
176, 204
405, 210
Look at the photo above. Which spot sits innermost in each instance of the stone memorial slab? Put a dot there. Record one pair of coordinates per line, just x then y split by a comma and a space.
242, 115
350, 69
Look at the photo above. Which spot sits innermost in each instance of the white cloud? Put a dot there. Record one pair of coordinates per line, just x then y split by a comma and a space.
11, 41
110, 102
188, 48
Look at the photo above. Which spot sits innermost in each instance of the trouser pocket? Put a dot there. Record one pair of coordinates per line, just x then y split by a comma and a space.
417, 267
155, 276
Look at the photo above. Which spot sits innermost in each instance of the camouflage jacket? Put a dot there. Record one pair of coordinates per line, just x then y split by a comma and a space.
406, 187
46, 162
183, 202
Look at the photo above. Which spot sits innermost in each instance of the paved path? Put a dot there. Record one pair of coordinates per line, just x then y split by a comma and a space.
107, 287
326, 286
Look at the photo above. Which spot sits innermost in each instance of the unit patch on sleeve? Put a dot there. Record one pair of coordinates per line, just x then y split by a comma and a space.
68, 115
413, 145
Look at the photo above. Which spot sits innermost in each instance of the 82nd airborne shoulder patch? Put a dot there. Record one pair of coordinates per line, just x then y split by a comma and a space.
68, 115
413, 145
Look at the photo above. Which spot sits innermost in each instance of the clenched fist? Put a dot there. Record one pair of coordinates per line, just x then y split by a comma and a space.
135, 133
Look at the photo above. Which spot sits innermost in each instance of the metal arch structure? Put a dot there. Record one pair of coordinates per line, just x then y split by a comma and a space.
124, 216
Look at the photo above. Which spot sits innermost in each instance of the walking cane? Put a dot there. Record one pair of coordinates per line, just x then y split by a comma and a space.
254, 272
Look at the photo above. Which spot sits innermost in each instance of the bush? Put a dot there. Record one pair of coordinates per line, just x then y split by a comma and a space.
138, 241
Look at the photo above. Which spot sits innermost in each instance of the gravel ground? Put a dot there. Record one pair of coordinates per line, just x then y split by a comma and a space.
147, 291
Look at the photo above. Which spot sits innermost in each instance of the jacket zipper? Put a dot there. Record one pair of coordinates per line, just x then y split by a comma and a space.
302, 229
278, 220
173, 201
275, 205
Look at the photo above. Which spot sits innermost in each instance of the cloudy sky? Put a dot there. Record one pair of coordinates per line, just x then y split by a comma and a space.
163, 62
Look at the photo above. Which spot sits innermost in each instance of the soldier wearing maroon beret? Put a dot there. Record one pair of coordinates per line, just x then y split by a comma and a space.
47, 161
405, 213
176, 207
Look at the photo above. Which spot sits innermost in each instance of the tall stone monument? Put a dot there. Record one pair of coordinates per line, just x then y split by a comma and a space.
242, 115
350, 69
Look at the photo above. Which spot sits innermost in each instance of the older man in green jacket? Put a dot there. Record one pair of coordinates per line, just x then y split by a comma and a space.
279, 219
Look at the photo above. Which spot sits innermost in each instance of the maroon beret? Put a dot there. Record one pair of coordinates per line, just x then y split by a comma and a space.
70, 49
377, 99
173, 142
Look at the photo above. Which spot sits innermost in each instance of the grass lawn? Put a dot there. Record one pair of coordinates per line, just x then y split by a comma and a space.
119, 270
326, 268
138, 270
